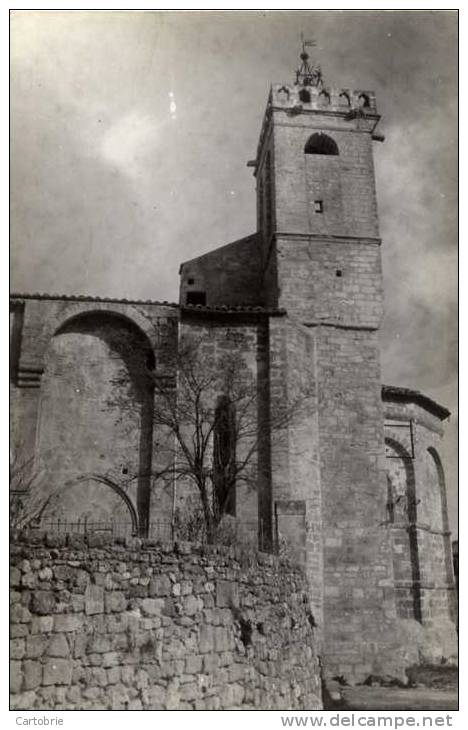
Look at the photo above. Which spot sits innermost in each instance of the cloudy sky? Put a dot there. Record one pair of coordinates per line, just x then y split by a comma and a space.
130, 137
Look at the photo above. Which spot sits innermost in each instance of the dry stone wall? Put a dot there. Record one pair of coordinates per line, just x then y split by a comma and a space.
157, 627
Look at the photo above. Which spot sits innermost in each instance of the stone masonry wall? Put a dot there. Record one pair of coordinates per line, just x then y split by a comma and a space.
359, 599
344, 183
333, 282
229, 275
80, 409
425, 586
157, 627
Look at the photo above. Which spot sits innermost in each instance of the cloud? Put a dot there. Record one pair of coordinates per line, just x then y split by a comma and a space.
128, 142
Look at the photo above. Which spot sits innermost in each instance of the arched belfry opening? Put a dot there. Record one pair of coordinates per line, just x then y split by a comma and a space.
321, 144
96, 413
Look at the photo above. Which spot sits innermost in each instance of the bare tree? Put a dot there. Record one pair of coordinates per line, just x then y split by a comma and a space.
28, 500
207, 420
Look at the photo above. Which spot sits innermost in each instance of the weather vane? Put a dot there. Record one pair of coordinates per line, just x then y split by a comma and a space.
307, 74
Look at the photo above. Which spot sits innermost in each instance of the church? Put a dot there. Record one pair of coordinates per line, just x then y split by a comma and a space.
354, 485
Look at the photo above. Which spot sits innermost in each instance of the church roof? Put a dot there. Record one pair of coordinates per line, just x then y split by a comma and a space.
407, 395
213, 309
88, 298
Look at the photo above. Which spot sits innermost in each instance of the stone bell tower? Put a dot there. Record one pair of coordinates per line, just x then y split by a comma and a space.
318, 226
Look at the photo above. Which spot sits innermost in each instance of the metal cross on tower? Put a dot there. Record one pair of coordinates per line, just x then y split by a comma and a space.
308, 74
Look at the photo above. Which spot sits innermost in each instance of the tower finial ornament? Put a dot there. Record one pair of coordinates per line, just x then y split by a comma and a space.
308, 74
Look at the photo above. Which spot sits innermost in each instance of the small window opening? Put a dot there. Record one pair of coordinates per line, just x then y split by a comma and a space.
318, 206
339, 272
125, 470
304, 96
190, 282
196, 297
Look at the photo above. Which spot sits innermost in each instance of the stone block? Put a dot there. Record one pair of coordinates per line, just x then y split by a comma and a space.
35, 646
67, 622
160, 585
42, 624
57, 671
43, 602
94, 599
99, 676
111, 659
45, 574
227, 594
79, 646
58, 646
206, 640
99, 644
191, 605
152, 606
16, 677
32, 672
193, 664
29, 580
210, 663
115, 601
15, 577
17, 647
64, 572
18, 630
74, 695
113, 675
19, 614
221, 639
77, 603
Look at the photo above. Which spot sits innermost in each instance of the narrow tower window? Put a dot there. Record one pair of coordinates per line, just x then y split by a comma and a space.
318, 206
224, 458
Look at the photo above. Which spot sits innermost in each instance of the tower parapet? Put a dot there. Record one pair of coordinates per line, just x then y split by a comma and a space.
311, 98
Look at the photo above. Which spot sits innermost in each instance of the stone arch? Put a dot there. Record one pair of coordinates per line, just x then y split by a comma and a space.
71, 491
135, 320
97, 400
406, 559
